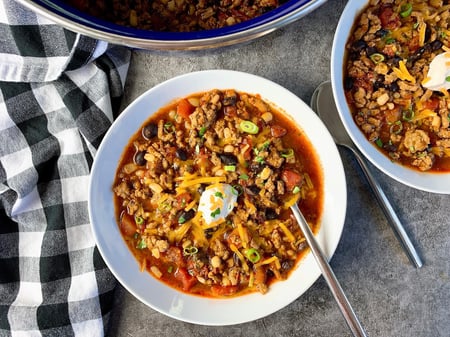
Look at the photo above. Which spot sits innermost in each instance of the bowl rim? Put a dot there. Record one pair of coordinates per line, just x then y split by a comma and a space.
77, 21
428, 182
179, 305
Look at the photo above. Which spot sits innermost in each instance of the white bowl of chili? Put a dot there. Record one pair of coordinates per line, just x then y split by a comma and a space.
221, 309
379, 85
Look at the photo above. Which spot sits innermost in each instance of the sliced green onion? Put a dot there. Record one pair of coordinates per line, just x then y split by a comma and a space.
377, 58
164, 207
168, 127
190, 250
249, 127
289, 153
408, 115
265, 145
218, 195
296, 190
236, 190
379, 142
396, 128
243, 176
252, 255
202, 131
181, 219
259, 159
390, 40
141, 244
170, 269
405, 10
139, 220
230, 168
447, 79
215, 212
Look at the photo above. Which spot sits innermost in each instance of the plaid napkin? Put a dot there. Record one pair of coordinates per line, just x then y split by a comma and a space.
59, 93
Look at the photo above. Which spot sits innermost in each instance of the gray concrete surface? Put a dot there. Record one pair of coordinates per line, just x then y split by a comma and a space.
390, 296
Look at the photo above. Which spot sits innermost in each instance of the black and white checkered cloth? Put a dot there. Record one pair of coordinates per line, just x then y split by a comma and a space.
59, 93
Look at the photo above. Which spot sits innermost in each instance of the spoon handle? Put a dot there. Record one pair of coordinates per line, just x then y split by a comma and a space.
330, 278
389, 212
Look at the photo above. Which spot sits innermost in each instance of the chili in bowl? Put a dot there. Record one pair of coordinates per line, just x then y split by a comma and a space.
190, 193
390, 82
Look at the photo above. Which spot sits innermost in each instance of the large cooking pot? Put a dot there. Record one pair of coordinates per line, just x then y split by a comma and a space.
74, 20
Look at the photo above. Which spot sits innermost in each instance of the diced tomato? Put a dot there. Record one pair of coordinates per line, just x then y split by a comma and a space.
187, 281
248, 152
291, 179
224, 291
184, 108
389, 19
432, 104
277, 131
183, 199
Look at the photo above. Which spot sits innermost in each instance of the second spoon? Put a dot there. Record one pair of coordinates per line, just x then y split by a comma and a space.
323, 104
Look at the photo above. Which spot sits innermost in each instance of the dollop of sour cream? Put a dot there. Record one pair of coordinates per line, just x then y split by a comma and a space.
438, 74
216, 202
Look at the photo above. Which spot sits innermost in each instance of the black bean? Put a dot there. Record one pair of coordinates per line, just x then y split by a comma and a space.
230, 100
394, 87
271, 214
287, 265
436, 45
359, 45
381, 32
209, 232
379, 83
371, 51
394, 61
256, 167
149, 131
186, 215
252, 190
427, 33
228, 158
348, 83
181, 154
201, 189
139, 158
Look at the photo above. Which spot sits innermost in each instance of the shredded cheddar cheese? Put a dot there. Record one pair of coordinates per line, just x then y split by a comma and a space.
242, 234
403, 73
202, 180
273, 259
240, 256
422, 30
425, 80
287, 232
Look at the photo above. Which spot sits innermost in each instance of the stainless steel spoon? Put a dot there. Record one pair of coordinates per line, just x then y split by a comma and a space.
322, 102
327, 273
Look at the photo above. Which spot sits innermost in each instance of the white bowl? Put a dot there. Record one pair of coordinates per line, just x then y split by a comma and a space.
165, 299
430, 182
